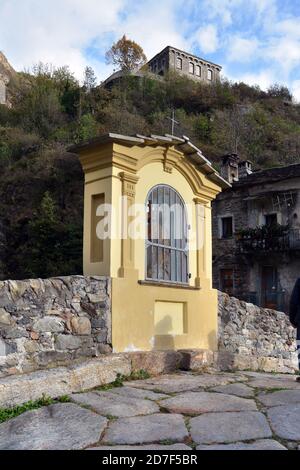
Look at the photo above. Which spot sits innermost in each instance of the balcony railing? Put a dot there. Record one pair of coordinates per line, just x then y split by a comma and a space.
268, 239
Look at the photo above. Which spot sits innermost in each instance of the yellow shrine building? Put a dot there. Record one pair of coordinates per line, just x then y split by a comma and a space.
147, 226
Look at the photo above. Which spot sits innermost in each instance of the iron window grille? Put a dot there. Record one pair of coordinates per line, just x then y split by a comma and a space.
167, 236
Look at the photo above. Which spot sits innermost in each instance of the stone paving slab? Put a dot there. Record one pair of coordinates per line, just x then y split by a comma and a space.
176, 383
282, 397
146, 429
264, 375
238, 389
63, 426
146, 447
107, 403
212, 428
285, 421
138, 393
193, 403
263, 444
275, 382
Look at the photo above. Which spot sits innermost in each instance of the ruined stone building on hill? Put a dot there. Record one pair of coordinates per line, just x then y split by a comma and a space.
171, 59
256, 233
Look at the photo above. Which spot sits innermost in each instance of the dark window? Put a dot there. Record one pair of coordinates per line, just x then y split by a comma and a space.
226, 227
179, 63
226, 281
166, 244
191, 68
270, 219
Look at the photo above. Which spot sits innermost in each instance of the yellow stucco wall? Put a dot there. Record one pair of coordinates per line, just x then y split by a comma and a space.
138, 321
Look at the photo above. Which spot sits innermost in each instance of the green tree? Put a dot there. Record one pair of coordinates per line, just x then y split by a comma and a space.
53, 247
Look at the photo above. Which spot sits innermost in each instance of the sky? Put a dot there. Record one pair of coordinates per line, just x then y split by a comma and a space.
256, 41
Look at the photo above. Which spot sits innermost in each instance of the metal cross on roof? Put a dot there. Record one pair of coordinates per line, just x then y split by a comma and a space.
173, 122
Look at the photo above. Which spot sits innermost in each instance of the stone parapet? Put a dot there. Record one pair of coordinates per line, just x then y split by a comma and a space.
254, 338
53, 322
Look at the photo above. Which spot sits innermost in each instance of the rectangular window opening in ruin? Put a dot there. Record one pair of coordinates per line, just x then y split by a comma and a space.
227, 227
191, 68
179, 63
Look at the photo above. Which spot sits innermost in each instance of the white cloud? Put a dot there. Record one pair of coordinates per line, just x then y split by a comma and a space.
220, 9
264, 79
207, 39
289, 27
153, 26
61, 31
285, 52
241, 49
55, 31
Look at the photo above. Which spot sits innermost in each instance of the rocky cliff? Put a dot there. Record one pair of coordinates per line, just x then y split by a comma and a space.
6, 70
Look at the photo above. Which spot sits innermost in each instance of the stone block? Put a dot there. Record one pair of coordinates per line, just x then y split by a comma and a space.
52, 428
155, 362
5, 317
81, 325
63, 342
101, 296
15, 332
196, 359
48, 324
62, 380
101, 336
143, 429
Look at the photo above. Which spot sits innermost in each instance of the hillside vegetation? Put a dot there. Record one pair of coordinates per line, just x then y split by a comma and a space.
41, 185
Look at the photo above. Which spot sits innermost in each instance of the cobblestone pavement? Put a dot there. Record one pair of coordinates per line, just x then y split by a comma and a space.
242, 410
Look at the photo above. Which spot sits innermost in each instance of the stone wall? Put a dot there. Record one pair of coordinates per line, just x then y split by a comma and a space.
52, 322
254, 338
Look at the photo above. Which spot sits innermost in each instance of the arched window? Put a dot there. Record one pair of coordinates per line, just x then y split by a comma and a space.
166, 244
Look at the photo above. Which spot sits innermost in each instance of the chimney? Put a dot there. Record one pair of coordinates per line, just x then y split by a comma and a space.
230, 167
245, 168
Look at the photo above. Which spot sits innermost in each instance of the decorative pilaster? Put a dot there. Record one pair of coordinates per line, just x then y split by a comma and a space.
127, 242
202, 242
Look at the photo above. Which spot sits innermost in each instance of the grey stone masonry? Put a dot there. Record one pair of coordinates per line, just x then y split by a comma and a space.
52, 322
254, 338
171, 59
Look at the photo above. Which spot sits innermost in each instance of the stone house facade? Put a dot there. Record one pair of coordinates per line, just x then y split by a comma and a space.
256, 233
184, 63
